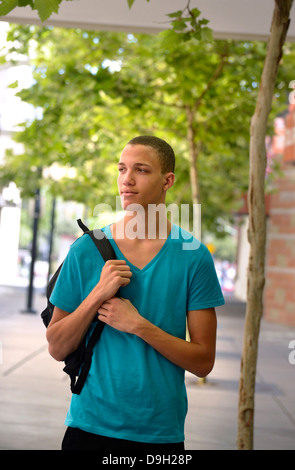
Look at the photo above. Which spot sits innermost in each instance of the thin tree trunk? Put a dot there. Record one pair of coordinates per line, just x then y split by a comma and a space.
193, 152
257, 223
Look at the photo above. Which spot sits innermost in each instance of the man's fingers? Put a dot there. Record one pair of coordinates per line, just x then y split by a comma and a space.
116, 262
120, 267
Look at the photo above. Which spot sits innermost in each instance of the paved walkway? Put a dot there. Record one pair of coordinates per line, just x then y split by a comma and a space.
34, 391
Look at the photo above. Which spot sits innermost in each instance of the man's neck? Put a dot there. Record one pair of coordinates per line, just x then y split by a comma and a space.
143, 226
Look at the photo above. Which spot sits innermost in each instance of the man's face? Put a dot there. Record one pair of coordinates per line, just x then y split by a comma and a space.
140, 179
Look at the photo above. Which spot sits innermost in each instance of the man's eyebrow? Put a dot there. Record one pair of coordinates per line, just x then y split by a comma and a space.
135, 164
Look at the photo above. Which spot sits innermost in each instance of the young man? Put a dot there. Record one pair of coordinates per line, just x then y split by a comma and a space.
134, 396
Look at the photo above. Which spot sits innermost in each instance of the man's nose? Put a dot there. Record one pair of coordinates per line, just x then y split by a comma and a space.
129, 178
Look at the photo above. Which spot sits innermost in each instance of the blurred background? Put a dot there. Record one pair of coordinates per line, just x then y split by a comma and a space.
70, 99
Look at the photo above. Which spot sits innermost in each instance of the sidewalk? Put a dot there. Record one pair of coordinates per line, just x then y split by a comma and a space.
34, 391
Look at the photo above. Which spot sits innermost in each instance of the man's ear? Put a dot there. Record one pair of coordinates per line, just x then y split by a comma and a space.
169, 180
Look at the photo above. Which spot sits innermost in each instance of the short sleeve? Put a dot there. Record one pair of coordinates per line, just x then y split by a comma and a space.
67, 292
204, 289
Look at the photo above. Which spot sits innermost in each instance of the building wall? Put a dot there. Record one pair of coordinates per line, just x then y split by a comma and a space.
279, 295
279, 292
280, 254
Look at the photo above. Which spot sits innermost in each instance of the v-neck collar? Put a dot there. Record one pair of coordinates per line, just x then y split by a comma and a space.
134, 268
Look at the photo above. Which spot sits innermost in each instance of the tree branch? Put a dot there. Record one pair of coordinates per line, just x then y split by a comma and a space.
212, 80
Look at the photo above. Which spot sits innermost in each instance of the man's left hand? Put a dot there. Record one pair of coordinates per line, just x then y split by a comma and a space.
120, 314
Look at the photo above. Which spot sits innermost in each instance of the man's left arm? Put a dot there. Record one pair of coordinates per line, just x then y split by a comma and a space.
196, 356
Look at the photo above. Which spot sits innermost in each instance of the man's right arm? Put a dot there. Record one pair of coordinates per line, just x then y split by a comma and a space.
66, 330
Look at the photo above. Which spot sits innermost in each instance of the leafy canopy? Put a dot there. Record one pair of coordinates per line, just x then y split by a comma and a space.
97, 90
44, 7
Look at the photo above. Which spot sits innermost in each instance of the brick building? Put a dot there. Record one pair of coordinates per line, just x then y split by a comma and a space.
279, 293
279, 296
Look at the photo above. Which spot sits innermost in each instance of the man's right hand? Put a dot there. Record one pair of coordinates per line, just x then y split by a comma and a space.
66, 331
115, 274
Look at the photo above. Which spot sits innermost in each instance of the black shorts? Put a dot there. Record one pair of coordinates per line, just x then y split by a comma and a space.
75, 439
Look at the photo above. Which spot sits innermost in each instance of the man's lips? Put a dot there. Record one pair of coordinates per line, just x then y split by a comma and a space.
128, 193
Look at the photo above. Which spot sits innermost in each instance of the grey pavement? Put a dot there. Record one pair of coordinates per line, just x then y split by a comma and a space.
34, 391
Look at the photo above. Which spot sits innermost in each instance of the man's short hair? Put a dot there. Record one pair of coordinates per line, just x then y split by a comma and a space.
163, 149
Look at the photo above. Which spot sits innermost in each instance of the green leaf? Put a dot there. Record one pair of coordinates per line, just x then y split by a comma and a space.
24, 3
46, 8
176, 14
13, 85
130, 3
207, 35
6, 6
203, 21
179, 25
195, 12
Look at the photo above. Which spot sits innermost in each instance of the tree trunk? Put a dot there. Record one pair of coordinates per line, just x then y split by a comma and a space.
193, 155
257, 223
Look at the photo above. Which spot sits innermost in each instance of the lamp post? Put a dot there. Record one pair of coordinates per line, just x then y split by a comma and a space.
52, 224
36, 216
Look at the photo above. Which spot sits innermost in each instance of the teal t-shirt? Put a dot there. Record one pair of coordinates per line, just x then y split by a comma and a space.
132, 392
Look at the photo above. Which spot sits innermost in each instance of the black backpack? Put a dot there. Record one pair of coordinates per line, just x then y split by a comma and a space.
77, 364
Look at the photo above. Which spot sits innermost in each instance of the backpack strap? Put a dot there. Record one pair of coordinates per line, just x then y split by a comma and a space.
82, 226
101, 241
106, 250
76, 386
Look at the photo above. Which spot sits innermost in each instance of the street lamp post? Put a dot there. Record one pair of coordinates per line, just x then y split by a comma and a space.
52, 226
36, 216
